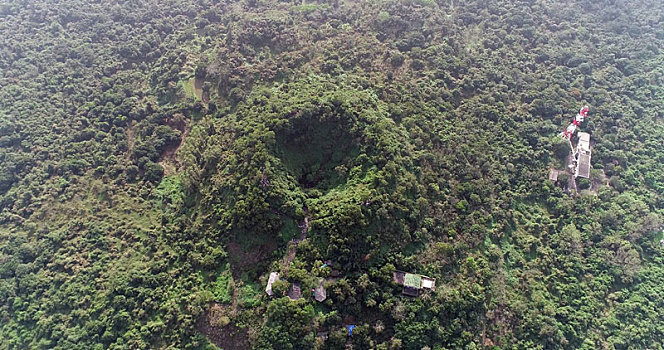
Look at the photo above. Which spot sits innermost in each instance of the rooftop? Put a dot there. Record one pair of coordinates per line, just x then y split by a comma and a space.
428, 283
320, 294
412, 280
274, 276
410, 291
398, 277
583, 167
584, 142
295, 292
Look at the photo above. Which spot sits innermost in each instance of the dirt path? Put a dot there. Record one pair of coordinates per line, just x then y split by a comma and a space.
168, 158
234, 311
131, 139
288, 258
572, 180
304, 226
292, 245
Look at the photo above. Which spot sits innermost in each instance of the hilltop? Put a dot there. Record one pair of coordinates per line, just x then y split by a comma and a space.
161, 159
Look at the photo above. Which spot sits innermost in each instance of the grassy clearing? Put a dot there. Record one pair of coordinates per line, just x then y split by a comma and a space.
224, 286
250, 295
193, 88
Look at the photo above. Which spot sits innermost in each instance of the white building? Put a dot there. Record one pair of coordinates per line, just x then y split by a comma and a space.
583, 153
274, 276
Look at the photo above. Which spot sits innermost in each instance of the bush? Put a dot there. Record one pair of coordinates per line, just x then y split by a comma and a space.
224, 287
153, 172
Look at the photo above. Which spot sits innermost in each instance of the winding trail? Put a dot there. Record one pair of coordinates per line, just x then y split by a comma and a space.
572, 180
292, 245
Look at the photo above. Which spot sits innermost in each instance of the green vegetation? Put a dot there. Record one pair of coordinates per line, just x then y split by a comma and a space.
224, 287
159, 159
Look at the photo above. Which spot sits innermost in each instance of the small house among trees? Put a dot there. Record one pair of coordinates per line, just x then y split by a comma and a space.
274, 276
295, 291
413, 283
320, 294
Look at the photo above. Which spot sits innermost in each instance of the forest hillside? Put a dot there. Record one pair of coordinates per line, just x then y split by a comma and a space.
331, 174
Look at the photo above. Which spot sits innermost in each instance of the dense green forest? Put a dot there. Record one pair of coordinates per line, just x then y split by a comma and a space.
159, 159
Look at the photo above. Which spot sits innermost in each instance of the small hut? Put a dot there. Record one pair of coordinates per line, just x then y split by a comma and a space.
320, 294
412, 283
295, 291
428, 283
398, 277
274, 276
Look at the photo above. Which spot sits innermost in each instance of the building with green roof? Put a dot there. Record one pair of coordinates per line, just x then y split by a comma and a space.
412, 283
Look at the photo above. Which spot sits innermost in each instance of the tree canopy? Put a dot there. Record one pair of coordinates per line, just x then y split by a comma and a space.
159, 159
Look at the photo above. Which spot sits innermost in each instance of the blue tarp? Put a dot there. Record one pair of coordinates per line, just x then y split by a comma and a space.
350, 329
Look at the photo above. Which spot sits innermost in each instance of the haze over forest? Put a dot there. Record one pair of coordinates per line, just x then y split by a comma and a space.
160, 160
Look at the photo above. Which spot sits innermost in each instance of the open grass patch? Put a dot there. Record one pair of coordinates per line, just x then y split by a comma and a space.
193, 88
224, 286
250, 295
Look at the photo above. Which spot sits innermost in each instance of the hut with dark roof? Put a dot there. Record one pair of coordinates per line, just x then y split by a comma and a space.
295, 291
